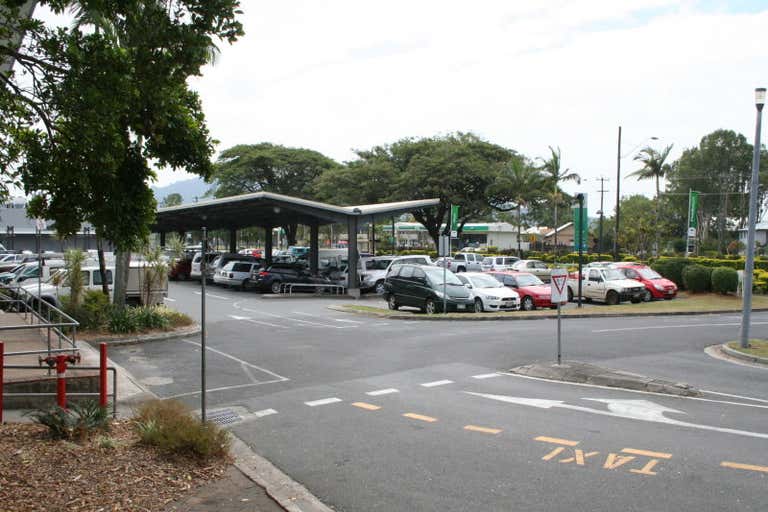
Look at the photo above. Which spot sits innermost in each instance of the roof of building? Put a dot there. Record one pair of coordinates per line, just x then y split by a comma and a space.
564, 226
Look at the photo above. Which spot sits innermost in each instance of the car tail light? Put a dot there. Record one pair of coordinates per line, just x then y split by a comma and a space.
263, 274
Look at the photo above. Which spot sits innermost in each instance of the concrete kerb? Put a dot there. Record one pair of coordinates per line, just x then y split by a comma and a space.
146, 338
744, 357
514, 315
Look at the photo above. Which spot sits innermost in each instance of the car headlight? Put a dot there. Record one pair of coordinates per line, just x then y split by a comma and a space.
659, 287
491, 297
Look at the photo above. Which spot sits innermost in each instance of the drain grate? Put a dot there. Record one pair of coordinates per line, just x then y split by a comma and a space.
223, 417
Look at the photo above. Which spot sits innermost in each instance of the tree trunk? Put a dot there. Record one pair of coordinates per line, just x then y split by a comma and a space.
290, 233
519, 224
122, 264
102, 264
658, 208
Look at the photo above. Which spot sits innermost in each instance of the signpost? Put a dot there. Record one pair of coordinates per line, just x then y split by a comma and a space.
559, 292
693, 222
580, 224
445, 252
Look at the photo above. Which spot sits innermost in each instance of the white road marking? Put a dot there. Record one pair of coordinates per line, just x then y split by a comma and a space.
249, 319
380, 325
226, 388
327, 318
735, 396
246, 363
379, 392
213, 296
437, 383
679, 326
486, 376
641, 410
169, 299
303, 321
714, 352
597, 386
324, 401
347, 321
264, 412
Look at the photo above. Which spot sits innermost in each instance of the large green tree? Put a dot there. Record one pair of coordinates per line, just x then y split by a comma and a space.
636, 236
554, 174
110, 94
654, 168
270, 168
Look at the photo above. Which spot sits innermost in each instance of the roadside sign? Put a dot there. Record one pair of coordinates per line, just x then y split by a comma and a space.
454, 218
454, 233
558, 287
445, 246
692, 232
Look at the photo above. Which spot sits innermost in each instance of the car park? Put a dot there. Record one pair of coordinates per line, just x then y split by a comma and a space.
427, 288
606, 285
372, 272
498, 263
532, 290
195, 266
236, 274
535, 267
488, 293
466, 262
656, 286
413, 259
222, 259
273, 278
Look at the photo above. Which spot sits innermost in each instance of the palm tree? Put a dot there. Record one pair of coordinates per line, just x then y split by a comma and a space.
520, 184
654, 167
553, 174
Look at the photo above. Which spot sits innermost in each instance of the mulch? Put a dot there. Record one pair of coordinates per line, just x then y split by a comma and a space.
108, 472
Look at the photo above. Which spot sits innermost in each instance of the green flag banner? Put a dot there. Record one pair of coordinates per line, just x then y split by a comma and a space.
693, 209
454, 217
581, 227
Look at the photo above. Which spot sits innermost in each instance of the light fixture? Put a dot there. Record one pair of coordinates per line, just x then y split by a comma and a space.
760, 96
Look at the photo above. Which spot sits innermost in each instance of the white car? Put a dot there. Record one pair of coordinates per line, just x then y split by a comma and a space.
489, 294
372, 271
498, 263
236, 274
414, 259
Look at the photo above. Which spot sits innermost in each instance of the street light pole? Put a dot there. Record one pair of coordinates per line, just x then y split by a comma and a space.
618, 200
600, 231
749, 265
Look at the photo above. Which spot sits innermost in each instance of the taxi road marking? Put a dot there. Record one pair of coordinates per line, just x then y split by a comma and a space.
413, 416
646, 453
748, 467
555, 440
484, 430
367, 407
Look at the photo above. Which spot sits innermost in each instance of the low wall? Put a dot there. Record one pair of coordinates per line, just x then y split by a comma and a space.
75, 384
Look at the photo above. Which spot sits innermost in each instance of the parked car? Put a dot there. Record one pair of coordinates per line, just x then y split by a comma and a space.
488, 293
11, 261
194, 271
421, 286
466, 262
222, 259
414, 259
656, 286
599, 264
31, 270
498, 263
181, 269
372, 272
273, 277
532, 290
237, 274
535, 267
608, 285
7, 277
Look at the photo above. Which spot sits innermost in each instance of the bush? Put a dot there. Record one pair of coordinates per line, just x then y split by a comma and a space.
122, 321
170, 426
150, 317
724, 280
79, 422
697, 278
672, 269
93, 313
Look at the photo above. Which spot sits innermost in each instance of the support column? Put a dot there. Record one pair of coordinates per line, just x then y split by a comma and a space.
394, 238
162, 239
353, 282
268, 244
373, 235
314, 247
232, 240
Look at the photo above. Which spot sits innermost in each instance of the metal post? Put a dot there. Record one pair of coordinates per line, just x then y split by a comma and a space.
202, 325
394, 238
600, 235
2, 363
618, 200
102, 374
749, 265
580, 241
688, 226
445, 271
39, 274
559, 347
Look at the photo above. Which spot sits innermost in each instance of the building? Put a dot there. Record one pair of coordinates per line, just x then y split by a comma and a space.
501, 235
761, 235
565, 234
19, 232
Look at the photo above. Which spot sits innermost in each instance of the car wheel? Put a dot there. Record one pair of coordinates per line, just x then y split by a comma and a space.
647, 296
612, 298
380, 287
637, 300
570, 294
478, 306
429, 307
184, 277
392, 303
527, 303
276, 286
244, 285
460, 269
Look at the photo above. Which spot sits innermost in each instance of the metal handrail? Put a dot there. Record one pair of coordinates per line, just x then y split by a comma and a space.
25, 301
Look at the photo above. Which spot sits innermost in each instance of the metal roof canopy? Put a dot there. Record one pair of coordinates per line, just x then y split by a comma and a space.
268, 209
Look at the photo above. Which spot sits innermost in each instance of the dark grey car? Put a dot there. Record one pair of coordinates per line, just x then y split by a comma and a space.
422, 287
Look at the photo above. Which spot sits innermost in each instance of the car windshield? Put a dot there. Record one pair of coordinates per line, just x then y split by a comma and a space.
485, 282
528, 280
377, 264
648, 273
611, 274
435, 276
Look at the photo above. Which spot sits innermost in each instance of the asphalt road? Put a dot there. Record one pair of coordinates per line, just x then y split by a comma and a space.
377, 414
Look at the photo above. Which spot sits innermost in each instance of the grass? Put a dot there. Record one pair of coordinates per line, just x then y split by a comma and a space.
757, 348
684, 303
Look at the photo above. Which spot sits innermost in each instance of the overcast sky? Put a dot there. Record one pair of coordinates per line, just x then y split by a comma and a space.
338, 75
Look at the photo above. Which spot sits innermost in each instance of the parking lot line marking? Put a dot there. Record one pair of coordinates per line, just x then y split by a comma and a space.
680, 326
323, 401
233, 358
437, 383
735, 396
379, 392
248, 319
413, 416
556, 440
748, 467
484, 430
647, 453
347, 321
366, 406
213, 296
226, 388
301, 321
264, 412
169, 299
486, 376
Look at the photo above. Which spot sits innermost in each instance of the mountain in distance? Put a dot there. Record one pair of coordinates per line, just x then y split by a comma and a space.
189, 190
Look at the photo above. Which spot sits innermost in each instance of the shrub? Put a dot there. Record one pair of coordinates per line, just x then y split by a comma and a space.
697, 278
150, 317
79, 422
122, 321
672, 269
724, 280
170, 426
93, 313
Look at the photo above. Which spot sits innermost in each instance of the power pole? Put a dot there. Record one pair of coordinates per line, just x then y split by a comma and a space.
602, 191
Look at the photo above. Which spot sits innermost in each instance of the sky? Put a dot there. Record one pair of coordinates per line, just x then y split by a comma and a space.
335, 76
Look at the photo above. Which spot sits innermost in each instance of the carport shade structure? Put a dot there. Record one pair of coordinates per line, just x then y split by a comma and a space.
268, 210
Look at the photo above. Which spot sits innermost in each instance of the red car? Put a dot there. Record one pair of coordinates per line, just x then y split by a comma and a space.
532, 290
180, 270
656, 287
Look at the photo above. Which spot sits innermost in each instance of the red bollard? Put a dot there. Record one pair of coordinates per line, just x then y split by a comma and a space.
2, 362
61, 381
103, 374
